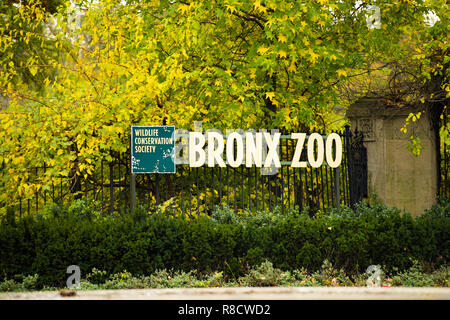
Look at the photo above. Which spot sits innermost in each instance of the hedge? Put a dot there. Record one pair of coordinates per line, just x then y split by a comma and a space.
351, 239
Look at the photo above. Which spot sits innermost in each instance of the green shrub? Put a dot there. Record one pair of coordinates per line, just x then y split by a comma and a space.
20, 283
350, 239
97, 276
265, 275
329, 276
417, 277
262, 275
9, 286
225, 215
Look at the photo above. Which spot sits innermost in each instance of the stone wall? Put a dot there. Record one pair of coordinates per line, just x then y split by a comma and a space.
400, 178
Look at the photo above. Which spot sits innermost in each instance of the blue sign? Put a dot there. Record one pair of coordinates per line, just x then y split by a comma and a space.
153, 149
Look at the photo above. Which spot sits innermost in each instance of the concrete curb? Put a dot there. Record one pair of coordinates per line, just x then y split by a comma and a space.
244, 293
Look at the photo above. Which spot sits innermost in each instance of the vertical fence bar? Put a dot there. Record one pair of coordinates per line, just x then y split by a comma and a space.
212, 190
220, 185
101, 182
347, 167
190, 192
157, 190
276, 188
256, 188
282, 178
45, 192
37, 193
326, 184
300, 191
119, 183
322, 188
198, 191
317, 189
269, 177
242, 187
249, 190
235, 203
165, 185
331, 185
262, 189
294, 176
28, 200
336, 187
313, 205
132, 192
228, 187
205, 177
307, 202
111, 187
182, 181
288, 174
172, 184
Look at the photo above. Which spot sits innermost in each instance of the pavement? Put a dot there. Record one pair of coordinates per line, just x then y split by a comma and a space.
242, 293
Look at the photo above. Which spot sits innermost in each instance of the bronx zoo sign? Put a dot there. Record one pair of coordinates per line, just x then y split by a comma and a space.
157, 149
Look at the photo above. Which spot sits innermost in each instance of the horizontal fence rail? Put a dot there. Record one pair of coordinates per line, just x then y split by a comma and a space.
192, 191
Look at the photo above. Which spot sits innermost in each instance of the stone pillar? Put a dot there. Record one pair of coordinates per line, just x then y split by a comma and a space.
400, 178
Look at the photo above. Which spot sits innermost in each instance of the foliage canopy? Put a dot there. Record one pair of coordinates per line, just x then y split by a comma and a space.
73, 80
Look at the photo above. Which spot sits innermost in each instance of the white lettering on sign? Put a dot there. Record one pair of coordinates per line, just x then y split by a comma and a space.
196, 153
315, 159
146, 132
253, 149
296, 163
153, 140
272, 154
255, 152
336, 162
215, 155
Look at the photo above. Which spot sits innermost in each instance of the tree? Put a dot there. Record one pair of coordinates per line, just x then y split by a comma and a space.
229, 63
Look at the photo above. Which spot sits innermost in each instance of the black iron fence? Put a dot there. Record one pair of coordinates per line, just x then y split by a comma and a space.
193, 191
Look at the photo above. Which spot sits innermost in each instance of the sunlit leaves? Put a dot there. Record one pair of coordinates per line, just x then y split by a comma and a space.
228, 63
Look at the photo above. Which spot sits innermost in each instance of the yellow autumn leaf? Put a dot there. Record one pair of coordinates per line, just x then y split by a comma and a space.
282, 54
282, 38
313, 56
341, 73
292, 67
262, 50
270, 95
275, 102
33, 70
